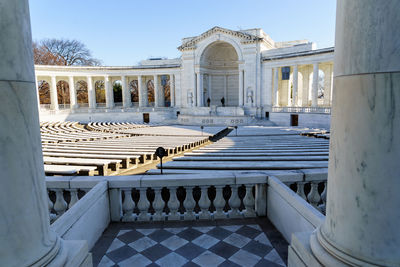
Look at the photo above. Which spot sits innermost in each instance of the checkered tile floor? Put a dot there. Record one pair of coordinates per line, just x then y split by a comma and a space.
215, 245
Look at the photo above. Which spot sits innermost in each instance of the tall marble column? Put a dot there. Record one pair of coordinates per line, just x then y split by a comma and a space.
363, 216
314, 92
276, 83
91, 93
26, 238
156, 91
241, 90
306, 86
53, 93
72, 92
140, 91
295, 85
328, 85
199, 89
126, 98
109, 92
172, 89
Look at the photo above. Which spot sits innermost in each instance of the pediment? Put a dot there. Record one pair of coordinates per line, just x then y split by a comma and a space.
245, 37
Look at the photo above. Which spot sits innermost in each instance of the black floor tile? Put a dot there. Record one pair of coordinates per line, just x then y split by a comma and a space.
223, 249
190, 251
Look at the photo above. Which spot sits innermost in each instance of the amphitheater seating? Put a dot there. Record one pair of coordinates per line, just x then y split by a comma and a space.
109, 148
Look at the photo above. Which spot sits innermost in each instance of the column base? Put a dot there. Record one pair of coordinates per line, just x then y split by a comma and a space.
72, 253
330, 255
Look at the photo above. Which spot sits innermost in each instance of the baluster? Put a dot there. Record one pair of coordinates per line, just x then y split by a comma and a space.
74, 197
313, 197
158, 205
249, 202
143, 205
219, 203
173, 205
60, 206
204, 204
322, 207
189, 204
51, 205
128, 206
234, 203
300, 190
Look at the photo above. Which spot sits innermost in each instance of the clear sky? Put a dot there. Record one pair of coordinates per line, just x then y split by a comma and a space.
123, 32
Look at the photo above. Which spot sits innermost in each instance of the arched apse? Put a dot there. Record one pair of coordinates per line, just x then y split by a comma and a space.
63, 93
134, 91
100, 91
44, 92
220, 63
150, 92
82, 96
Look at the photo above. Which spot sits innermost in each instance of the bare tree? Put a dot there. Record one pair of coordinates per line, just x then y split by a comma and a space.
63, 52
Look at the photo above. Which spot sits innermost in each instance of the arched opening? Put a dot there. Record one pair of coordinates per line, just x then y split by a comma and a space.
150, 93
220, 74
44, 92
321, 87
63, 94
100, 93
117, 92
166, 89
134, 92
82, 96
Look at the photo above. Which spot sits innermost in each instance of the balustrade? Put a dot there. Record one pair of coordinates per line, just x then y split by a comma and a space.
314, 192
60, 200
181, 204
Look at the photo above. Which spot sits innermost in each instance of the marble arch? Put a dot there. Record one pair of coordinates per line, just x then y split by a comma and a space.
219, 71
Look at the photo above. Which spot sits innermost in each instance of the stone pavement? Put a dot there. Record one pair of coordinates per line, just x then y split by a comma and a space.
242, 242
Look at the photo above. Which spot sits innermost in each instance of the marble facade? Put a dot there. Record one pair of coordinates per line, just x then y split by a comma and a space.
245, 68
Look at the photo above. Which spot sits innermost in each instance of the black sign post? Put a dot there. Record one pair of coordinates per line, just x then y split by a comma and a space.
160, 152
236, 129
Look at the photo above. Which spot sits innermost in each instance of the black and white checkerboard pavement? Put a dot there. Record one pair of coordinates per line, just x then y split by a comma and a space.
214, 245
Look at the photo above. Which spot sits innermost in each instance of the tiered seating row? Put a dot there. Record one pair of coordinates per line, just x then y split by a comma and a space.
70, 148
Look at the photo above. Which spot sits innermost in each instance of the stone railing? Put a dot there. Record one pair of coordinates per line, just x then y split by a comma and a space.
186, 197
45, 106
321, 110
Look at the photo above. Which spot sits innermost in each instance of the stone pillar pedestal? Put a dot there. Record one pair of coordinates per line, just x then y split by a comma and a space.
26, 238
363, 216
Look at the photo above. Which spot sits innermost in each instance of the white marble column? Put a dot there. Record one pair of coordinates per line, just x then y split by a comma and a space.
91, 93
72, 93
241, 89
109, 92
306, 86
327, 85
295, 85
140, 91
199, 89
156, 91
172, 89
276, 83
126, 99
314, 92
53, 93
363, 215
210, 88
26, 238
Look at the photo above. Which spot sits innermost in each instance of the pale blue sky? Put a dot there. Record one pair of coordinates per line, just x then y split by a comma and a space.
123, 32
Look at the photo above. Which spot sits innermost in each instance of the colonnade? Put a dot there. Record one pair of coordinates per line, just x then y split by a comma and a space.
159, 95
301, 93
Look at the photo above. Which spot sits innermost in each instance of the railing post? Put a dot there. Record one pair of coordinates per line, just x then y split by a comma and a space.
261, 199
115, 204
234, 203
